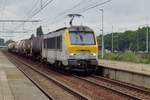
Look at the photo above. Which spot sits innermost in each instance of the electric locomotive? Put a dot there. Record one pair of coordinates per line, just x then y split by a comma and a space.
73, 48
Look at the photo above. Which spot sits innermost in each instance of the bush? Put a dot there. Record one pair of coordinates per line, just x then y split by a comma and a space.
128, 56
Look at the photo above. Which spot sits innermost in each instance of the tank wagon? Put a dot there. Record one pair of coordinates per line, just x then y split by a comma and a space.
26, 47
36, 46
11, 47
71, 48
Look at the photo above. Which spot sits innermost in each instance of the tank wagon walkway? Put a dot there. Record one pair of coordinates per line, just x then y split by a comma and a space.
14, 85
126, 66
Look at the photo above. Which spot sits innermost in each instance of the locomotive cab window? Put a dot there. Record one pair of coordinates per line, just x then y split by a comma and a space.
82, 38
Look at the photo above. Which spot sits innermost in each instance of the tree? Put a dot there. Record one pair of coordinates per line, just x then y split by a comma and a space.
128, 40
39, 31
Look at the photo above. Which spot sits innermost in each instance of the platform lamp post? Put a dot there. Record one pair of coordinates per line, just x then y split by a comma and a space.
102, 29
147, 31
138, 38
112, 41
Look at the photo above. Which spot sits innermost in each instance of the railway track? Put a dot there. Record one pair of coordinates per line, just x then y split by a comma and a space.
138, 92
122, 88
30, 71
94, 87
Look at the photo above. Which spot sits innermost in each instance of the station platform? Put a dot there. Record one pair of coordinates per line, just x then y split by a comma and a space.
14, 85
133, 73
126, 66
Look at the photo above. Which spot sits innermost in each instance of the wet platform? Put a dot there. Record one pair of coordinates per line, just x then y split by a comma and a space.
14, 85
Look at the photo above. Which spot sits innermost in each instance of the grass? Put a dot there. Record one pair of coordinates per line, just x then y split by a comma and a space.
128, 56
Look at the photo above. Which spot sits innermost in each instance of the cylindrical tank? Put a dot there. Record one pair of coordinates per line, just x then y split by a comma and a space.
17, 46
11, 46
20, 48
26, 46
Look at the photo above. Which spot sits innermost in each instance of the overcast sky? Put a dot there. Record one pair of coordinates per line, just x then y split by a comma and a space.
122, 14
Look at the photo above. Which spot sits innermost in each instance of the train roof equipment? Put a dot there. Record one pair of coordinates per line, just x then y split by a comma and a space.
72, 16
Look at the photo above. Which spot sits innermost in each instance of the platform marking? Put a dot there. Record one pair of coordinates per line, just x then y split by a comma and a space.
5, 89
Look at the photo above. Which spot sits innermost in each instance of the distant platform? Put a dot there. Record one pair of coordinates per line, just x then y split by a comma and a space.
14, 85
133, 73
3, 46
127, 66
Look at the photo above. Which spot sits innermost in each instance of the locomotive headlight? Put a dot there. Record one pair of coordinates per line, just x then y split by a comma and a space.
72, 54
94, 54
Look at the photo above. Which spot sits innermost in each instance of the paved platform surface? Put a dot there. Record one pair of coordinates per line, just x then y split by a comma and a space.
127, 66
14, 85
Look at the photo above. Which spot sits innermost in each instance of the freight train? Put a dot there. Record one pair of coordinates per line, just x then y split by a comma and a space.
72, 48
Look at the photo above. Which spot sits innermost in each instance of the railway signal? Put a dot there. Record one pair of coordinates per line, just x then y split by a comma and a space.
102, 29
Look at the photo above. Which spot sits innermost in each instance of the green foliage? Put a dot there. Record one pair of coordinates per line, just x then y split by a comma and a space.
39, 31
128, 40
128, 56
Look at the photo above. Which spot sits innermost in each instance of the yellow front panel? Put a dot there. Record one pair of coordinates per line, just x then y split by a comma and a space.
79, 48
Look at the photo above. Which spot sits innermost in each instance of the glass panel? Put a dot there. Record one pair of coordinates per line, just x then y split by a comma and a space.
82, 38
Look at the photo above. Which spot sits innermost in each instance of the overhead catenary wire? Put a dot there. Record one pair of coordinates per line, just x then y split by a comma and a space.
44, 5
81, 10
63, 14
30, 11
32, 8
36, 11
93, 6
66, 11
73, 7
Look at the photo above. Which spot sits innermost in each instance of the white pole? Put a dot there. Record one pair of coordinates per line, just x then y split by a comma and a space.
112, 41
147, 35
102, 32
137, 40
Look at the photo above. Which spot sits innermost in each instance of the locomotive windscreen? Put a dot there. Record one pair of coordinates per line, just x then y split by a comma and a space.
82, 38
